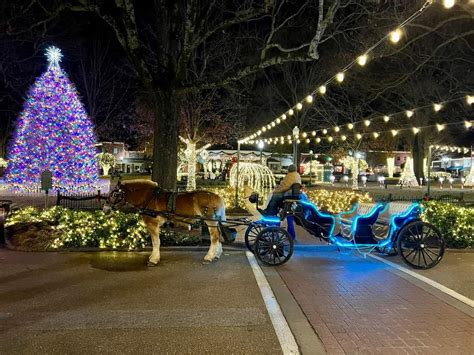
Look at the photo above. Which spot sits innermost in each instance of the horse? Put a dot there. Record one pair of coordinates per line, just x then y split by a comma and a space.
186, 208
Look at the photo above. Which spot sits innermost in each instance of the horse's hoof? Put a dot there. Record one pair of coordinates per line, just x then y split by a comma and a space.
151, 264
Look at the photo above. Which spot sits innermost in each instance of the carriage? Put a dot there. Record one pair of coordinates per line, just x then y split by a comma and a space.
391, 228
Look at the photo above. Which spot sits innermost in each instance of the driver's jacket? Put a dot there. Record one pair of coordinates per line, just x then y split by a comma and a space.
288, 181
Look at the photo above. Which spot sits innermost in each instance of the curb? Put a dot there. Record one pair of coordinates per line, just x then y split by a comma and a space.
234, 247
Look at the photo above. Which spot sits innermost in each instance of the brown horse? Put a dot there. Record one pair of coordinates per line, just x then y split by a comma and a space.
145, 194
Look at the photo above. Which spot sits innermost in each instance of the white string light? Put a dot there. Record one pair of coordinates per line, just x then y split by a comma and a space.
451, 148
340, 77
362, 60
394, 132
394, 36
448, 3
387, 118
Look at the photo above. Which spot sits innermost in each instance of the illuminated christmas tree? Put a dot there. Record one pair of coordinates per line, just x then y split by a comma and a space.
53, 133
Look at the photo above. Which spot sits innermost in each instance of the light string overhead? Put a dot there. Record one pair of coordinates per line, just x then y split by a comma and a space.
351, 126
451, 148
358, 136
394, 37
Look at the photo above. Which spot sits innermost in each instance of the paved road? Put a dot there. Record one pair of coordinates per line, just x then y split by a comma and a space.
455, 271
108, 302
358, 305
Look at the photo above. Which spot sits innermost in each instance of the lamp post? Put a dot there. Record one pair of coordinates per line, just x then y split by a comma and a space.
260, 146
236, 200
296, 135
428, 178
310, 168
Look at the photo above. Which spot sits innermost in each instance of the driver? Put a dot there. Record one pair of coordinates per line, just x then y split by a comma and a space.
277, 195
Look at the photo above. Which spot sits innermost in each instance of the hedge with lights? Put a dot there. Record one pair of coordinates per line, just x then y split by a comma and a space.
228, 195
336, 201
456, 224
58, 227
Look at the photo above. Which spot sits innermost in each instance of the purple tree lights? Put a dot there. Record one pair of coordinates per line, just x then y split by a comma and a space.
53, 133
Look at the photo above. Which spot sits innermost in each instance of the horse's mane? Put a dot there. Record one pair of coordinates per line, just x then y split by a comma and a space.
140, 183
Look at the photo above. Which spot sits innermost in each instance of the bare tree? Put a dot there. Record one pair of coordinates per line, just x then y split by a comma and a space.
166, 42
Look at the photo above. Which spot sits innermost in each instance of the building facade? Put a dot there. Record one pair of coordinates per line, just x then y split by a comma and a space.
127, 161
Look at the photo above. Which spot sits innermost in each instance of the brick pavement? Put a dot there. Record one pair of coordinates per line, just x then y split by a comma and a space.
357, 306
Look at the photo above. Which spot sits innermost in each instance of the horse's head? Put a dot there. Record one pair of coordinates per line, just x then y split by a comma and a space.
137, 193
116, 199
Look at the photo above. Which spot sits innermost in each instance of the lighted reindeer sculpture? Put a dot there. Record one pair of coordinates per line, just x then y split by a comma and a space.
159, 206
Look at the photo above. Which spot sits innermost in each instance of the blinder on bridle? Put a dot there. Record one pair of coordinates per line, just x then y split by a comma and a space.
116, 197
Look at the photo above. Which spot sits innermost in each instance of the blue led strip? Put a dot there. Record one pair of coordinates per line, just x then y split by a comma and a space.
322, 214
269, 219
370, 214
414, 206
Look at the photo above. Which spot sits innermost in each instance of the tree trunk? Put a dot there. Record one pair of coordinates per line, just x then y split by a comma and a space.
418, 156
165, 145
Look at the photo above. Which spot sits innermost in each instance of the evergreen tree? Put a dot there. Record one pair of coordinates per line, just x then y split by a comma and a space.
53, 133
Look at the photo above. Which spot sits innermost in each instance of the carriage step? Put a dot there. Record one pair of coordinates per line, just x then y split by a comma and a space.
345, 243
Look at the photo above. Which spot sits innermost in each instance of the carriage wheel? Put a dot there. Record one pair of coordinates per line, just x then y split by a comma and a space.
273, 246
421, 245
251, 233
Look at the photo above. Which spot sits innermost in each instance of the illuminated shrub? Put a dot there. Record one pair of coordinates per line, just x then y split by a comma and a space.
455, 223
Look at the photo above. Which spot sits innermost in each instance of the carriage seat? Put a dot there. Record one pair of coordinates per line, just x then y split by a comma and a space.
293, 194
363, 214
362, 209
388, 216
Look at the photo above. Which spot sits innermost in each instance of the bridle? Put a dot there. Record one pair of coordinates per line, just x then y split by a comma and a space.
116, 197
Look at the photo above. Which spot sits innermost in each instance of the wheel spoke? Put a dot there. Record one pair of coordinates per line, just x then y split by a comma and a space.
423, 255
428, 255
432, 252
411, 252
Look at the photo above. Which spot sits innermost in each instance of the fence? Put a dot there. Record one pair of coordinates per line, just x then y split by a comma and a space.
452, 198
81, 201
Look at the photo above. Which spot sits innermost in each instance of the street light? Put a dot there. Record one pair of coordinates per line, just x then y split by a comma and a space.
260, 146
310, 168
296, 135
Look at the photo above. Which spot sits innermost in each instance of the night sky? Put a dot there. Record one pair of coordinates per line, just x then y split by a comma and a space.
117, 101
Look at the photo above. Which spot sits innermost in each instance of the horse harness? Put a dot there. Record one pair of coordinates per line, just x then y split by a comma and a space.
119, 195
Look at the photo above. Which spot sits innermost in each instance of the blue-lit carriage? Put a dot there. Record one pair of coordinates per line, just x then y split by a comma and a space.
390, 228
